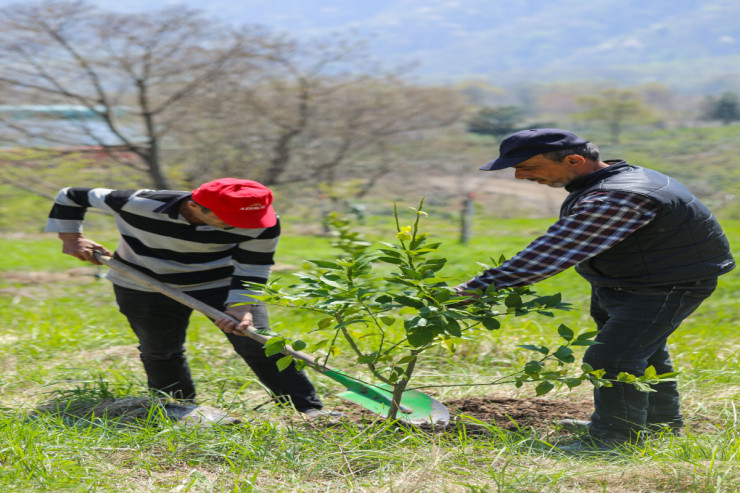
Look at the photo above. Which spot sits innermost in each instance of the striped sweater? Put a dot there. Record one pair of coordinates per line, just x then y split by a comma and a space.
158, 241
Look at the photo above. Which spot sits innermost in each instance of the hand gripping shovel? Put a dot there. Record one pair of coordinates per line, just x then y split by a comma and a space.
415, 407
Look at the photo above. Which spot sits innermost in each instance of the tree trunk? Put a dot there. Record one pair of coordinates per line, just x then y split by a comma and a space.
466, 218
399, 388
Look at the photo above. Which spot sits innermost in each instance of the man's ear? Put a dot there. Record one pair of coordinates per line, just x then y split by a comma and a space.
574, 160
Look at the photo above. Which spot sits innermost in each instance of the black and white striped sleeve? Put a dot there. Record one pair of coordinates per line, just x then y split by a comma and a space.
68, 213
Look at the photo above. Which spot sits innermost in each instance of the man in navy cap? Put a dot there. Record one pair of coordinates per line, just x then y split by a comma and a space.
651, 251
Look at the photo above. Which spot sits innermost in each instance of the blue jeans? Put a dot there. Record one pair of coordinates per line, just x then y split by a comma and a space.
160, 323
634, 325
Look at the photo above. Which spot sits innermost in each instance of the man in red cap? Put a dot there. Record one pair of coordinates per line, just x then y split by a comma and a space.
207, 243
651, 251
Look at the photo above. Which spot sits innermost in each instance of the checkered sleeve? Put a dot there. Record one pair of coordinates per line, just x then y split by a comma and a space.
599, 220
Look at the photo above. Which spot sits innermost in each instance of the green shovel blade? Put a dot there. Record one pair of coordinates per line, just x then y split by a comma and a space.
416, 407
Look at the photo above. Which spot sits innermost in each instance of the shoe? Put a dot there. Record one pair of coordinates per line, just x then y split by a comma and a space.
651, 428
656, 429
573, 424
591, 445
313, 413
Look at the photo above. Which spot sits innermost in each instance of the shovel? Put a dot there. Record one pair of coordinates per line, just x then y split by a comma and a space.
415, 407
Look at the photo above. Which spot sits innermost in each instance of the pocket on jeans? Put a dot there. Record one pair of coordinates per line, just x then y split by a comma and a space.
688, 303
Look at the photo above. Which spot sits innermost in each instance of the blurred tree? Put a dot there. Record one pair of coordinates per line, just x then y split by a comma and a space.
314, 113
616, 108
183, 99
662, 100
725, 108
127, 75
496, 121
481, 93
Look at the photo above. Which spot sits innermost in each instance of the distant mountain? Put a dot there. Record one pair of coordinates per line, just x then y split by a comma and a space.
687, 44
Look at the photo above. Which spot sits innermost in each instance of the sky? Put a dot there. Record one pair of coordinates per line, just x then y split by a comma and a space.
504, 40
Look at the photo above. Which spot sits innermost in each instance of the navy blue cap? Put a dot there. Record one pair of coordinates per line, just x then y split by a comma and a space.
522, 145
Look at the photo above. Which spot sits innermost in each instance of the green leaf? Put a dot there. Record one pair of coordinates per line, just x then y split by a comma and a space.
650, 372
442, 295
565, 332
643, 387
387, 321
284, 362
554, 300
544, 387
324, 323
564, 354
298, 345
533, 368
585, 343
626, 377
539, 349
332, 283
669, 376
419, 337
391, 252
274, 346
453, 328
319, 344
572, 382
513, 301
587, 335
426, 311
383, 299
406, 310
415, 322
325, 264
434, 264
391, 260
491, 323
395, 279
364, 359
408, 301
410, 273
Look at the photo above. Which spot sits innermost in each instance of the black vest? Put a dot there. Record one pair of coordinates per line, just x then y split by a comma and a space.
683, 243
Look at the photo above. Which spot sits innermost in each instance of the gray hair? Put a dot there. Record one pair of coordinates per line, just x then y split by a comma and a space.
587, 150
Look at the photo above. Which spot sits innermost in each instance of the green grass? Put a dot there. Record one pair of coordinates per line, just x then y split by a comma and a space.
62, 336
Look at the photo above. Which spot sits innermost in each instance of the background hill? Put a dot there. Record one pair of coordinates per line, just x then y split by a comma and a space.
689, 45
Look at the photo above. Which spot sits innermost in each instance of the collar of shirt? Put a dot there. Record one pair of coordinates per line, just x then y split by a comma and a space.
172, 208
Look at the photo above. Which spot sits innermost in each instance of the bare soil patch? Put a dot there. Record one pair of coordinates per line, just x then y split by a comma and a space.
512, 413
507, 413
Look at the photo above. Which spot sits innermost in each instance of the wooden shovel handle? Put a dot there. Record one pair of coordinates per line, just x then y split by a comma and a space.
198, 305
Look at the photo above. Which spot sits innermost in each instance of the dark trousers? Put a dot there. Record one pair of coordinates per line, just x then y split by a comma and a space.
161, 324
634, 325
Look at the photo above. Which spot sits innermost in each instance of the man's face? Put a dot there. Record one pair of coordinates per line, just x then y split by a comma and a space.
545, 171
212, 220
198, 216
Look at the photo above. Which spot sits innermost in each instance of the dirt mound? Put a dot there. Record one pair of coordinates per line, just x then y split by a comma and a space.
516, 413
508, 413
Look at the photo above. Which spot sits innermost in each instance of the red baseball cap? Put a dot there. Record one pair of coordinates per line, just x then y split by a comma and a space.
240, 203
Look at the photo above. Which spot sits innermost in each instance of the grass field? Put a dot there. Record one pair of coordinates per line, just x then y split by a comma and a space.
62, 338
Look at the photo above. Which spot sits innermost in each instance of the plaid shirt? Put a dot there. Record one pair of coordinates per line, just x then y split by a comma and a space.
600, 220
